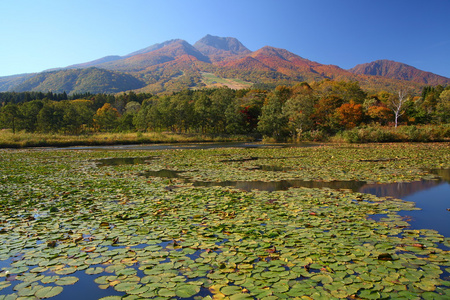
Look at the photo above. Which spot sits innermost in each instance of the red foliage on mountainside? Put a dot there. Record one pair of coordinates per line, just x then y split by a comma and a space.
396, 70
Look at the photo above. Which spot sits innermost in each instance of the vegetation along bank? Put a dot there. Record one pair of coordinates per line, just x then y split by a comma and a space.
324, 111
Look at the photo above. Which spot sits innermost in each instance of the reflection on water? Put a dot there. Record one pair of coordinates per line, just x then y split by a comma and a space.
283, 185
398, 189
180, 146
434, 203
163, 173
117, 161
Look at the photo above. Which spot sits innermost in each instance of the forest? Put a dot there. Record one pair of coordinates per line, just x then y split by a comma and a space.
300, 112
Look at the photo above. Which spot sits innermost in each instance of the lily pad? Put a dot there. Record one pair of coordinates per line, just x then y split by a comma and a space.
48, 292
187, 290
66, 280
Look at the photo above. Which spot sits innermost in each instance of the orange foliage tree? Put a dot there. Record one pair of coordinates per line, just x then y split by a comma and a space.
350, 114
379, 114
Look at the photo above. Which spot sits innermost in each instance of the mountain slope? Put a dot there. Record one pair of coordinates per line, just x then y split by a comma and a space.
289, 64
95, 62
395, 70
80, 81
9, 82
170, 51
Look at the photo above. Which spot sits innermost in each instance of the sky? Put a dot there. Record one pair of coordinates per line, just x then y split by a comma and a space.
40, 35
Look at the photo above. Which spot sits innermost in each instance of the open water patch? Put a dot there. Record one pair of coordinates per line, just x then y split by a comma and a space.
283, 185
118, 161
182, 146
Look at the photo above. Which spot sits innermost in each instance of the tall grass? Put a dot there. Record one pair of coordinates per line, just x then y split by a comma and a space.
24, 139
370, 134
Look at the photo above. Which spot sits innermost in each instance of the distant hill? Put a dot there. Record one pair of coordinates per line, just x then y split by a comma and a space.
9, 82
176, 65
395, 70
92, 80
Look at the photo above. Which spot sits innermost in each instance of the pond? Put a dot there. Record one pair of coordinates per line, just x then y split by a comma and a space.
195, 224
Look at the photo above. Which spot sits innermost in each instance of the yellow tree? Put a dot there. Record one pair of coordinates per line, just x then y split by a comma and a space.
106, 118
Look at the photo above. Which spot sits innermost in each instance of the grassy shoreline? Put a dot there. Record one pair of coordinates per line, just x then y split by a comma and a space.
25, 140
369, 134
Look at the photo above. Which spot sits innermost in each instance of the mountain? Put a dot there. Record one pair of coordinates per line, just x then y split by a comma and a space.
395, 70
9, 82
92, 80
290, 64
172, 51
147, 57
221, 48
212, 61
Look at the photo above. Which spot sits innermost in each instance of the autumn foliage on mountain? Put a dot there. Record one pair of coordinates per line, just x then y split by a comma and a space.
176, 65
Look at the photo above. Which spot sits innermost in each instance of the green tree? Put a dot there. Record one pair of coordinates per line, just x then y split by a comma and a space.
273, 122
166, 114
235, 118
9, 116
324, 116
442, 114
345, 90
85, 112
202, 110
183, 110
132, 107
50, 117
29, 112
299, 110
220, 100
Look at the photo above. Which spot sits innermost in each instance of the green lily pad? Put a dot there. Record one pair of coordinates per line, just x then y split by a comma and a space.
94, 271
66, 271
241, 296
48, 292
164, 292
231, 290
126, 286
66, 280
187, 290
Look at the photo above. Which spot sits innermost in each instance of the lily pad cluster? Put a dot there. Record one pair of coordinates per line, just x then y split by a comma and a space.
64, 218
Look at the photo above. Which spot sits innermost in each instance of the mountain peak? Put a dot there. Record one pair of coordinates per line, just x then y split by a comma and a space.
221, 48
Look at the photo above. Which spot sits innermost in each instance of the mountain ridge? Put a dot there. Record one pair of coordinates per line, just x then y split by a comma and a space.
176, 64
396, 70
92, 80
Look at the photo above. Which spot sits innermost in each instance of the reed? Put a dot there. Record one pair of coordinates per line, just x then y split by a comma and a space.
25, 139
379, 134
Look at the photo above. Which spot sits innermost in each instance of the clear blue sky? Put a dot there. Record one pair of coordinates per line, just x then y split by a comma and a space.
38, 35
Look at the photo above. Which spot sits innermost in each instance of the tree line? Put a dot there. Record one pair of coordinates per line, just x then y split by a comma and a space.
297, 112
